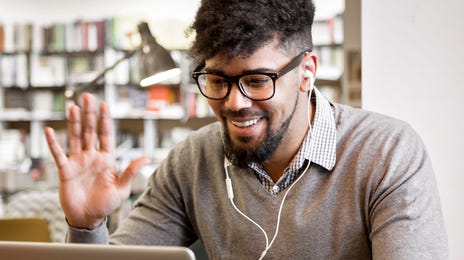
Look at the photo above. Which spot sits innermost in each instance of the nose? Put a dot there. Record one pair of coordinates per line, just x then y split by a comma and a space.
236, 100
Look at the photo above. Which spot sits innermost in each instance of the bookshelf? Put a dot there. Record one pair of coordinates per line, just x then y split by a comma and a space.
39, 64
352, 78
328, 41
337, 41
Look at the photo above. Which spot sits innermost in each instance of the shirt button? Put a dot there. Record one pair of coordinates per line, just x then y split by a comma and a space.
275, 189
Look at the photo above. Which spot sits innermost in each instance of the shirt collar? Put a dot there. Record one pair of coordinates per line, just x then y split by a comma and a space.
323, 135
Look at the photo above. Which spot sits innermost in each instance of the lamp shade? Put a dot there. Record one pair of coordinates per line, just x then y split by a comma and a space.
155, 62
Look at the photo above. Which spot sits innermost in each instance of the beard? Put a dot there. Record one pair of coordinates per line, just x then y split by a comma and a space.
242, 157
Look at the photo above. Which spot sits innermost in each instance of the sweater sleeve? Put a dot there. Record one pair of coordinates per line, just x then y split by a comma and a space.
98, 235
404, 206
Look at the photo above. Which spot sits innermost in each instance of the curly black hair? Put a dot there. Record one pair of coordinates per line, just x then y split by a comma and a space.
240, 27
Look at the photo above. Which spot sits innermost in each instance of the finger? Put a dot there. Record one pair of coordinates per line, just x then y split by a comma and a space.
131, 171
74, 130
58, 155
89, 122
105, 128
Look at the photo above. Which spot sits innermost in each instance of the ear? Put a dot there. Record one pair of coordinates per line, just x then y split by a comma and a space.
309, 68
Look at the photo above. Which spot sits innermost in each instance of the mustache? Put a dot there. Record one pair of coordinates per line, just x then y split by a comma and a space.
244, 112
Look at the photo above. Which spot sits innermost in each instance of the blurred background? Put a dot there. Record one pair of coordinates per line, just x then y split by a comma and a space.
52, 50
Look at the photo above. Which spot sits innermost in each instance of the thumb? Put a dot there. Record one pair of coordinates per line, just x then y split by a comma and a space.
129, 173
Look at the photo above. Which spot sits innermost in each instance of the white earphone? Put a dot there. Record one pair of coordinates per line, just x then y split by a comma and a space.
309, 74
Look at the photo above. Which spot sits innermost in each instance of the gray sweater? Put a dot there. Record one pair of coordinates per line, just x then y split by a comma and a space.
380, 200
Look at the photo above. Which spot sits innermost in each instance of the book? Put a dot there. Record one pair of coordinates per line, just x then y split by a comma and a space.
22, 36
92, 36
42, 101
47, 71
21, 70
7, 71
2, 38
160, 97
59, 33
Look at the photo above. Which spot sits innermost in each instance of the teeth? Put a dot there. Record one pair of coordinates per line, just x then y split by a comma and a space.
246, 123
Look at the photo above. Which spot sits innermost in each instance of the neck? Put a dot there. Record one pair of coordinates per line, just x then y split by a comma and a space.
290, 145
280, 160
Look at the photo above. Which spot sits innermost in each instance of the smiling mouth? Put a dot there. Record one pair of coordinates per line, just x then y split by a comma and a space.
245, 123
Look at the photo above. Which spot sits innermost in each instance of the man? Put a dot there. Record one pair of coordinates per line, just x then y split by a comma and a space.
283, 174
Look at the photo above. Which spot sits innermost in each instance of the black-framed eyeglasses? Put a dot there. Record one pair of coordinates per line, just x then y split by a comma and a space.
257, 86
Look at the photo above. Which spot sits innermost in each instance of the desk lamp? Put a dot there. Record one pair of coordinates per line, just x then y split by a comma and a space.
155, 63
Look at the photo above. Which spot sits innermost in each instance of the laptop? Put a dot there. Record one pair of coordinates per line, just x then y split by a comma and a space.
61, 251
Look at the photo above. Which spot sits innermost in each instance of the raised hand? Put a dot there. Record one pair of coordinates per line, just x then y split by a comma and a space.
89, 185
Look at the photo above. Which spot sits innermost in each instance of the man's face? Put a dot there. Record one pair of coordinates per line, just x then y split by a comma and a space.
255, 129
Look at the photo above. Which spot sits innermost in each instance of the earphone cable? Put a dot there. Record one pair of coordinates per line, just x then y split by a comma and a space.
231, 196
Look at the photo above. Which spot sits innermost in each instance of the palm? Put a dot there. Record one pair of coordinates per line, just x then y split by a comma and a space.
90, 187
90, 181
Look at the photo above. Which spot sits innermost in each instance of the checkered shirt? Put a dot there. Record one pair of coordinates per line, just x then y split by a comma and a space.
318, 147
